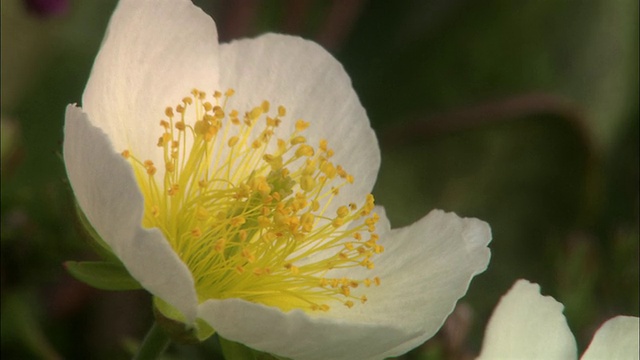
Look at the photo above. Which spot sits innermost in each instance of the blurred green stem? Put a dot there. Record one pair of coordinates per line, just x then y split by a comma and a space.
154, 344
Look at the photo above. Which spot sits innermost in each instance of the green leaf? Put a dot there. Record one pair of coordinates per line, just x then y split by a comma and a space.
102, 275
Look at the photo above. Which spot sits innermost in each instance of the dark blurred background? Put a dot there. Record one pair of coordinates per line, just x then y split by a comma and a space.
523, 114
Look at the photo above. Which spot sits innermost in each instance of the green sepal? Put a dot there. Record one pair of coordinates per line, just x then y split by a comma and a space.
102, 275
236, 351
98, 244
173, 322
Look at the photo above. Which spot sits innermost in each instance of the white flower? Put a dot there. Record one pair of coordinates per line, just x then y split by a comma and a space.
248, 219
527, 325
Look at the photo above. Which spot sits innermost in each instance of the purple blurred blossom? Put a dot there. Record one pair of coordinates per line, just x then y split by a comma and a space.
46, 8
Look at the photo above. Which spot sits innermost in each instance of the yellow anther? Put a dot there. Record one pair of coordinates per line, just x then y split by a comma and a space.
323, 145
376, 280
151, 170
337, 222
173, 190
298, 140
255, 113
273, 122
363, 299
307, 183
348, 304
187, 100
180, 109
126, 154
282, 111
304, 150
248, 255
324, 307
328, 169
307, 218
342, 211
237, 221
265, 106
164, 124
196, 232
229, 93
169, 112
282, 145
180, 125
301, 125
207, 106
233, 141
341, 172
217, 94
170, 167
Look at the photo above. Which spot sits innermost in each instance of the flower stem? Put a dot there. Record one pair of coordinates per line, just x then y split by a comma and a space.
154, 344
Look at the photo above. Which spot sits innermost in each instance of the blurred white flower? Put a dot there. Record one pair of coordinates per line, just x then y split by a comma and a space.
527, 325
191, 160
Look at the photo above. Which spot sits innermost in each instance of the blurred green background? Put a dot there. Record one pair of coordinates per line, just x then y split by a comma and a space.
523, 114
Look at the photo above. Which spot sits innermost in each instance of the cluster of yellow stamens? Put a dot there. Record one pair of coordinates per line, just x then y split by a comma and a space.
248, 212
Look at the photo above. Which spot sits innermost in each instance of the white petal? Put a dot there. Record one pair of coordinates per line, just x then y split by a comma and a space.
106, 190
617, 339
297, 335
426, 268
313, 86
153, 54
527, 325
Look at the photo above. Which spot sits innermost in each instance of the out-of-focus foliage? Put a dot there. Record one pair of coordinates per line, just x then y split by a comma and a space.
523, 114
